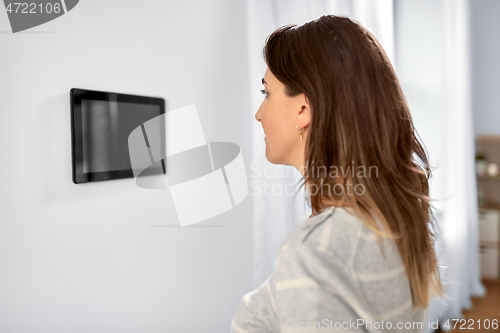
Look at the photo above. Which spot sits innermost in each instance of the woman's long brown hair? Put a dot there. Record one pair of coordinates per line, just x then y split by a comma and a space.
360, 120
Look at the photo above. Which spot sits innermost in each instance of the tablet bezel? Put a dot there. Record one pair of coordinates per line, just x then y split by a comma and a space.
76, 97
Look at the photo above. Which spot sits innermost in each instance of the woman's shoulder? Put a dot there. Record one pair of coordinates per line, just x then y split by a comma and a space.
339, 250
338, 231
334, 229
347, 244
333, 224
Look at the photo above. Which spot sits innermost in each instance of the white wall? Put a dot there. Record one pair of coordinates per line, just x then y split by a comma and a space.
485, 44
91, 257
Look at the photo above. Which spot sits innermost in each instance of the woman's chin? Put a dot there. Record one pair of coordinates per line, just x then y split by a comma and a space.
271, 158
269, 155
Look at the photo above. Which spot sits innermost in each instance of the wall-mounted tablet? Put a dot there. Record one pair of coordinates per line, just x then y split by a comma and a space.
100, 125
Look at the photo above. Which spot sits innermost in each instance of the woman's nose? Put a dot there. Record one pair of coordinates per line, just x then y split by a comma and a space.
258, 116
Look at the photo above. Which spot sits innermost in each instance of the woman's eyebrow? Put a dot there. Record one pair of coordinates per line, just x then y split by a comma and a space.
264, 81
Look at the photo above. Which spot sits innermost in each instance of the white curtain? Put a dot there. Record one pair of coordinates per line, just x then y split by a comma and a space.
278, 211
458, 241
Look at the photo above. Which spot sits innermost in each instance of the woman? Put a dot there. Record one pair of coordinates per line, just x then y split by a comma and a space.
364, 260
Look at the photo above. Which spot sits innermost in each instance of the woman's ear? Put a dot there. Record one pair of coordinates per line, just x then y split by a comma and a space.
304, 115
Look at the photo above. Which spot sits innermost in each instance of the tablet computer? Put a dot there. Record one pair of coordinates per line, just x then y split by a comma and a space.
100, 126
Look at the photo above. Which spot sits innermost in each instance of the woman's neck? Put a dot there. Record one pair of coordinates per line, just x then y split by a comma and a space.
327, 203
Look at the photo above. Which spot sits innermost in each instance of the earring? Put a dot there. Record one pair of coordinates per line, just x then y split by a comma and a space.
299, 133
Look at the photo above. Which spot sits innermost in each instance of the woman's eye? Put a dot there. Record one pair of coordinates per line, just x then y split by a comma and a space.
264, 92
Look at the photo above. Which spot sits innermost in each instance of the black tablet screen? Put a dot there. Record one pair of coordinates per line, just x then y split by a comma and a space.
106, 126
